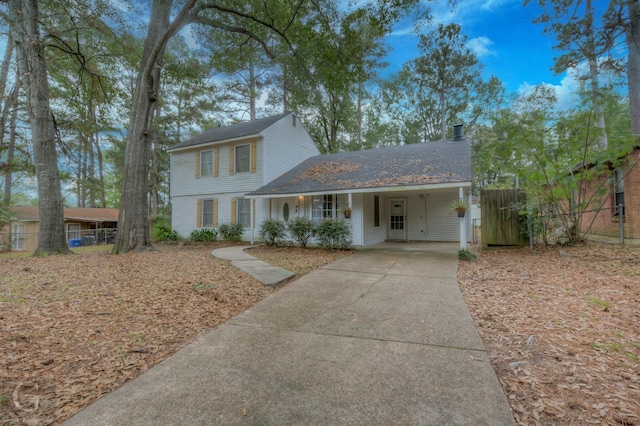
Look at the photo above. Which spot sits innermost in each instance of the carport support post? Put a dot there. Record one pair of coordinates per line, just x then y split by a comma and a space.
463, 222
252, 215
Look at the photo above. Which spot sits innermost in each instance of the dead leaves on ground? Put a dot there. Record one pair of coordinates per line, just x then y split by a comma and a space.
73, 328
562, 327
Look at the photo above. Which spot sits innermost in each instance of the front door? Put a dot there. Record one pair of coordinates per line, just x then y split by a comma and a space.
397, 228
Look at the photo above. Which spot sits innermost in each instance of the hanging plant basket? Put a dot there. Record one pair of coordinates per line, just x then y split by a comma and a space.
459, 206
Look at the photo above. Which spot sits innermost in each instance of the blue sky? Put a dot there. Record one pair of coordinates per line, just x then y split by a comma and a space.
501, 32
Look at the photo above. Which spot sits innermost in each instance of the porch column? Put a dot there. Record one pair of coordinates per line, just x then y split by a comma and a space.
252, 215
463, 223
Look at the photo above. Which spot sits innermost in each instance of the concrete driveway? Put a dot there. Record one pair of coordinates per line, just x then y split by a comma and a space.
380, 337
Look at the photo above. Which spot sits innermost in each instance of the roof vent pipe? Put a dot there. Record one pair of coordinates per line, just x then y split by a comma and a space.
458, 132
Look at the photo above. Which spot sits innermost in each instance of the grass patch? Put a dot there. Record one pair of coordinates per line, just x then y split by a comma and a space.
203, 287
464, 254
604, 304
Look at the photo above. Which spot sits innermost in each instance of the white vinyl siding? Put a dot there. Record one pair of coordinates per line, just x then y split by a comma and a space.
430, 219
279, 147
373, 234
185, 213
285, 146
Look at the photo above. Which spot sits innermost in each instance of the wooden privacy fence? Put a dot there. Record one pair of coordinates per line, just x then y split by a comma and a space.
501, 220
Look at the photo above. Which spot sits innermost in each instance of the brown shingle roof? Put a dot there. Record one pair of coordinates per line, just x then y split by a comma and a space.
429, 163
31, 213
239, 130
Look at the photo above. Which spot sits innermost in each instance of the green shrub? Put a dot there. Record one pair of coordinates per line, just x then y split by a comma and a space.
231, 231
272, 231
466, 255
203, 235
162, 231
334, 234
301, 229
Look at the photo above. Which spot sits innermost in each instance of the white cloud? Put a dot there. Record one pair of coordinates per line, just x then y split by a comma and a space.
481, 46
407, 30
464, 11
566, 92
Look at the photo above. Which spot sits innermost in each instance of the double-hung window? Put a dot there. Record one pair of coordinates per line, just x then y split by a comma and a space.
243, 158
207, 214
243, 211
73, 231
206, 163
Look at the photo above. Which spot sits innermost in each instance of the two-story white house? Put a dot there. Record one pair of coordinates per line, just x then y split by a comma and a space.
212, 172
271, 169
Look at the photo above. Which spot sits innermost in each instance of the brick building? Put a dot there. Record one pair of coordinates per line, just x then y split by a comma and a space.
621, 187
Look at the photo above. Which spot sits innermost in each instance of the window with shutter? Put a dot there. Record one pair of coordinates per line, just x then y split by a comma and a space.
206, 163
243, 210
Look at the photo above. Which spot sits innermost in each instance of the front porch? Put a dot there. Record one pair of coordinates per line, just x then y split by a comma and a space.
406, 215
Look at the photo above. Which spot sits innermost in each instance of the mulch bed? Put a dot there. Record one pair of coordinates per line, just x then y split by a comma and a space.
562, 326
75, 327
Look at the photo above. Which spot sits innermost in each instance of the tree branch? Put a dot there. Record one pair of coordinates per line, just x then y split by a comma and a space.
271, 26
239, 30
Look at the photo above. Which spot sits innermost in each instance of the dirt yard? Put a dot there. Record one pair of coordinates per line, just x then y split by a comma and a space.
73, 328
563, 329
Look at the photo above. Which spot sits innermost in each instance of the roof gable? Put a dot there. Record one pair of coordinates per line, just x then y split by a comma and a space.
430, 163
234, 131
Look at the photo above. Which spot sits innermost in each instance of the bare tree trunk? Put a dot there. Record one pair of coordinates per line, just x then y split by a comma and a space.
31, 64
360, 116
154, 199
633, 71
285, 89
11, 145
443, 112
4, 69
101, 194
603, 140
252, 90
82, 171
91, 169
133, 218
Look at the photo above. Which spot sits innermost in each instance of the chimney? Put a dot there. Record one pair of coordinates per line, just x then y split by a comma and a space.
458, 132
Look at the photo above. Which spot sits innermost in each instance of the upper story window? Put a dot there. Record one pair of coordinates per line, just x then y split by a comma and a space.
618, 191
206, 163
243, 158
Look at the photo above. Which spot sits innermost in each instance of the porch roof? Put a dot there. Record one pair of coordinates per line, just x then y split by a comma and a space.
441, 164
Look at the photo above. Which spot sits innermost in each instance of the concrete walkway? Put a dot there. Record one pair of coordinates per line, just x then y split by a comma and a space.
258, 269
380, 337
